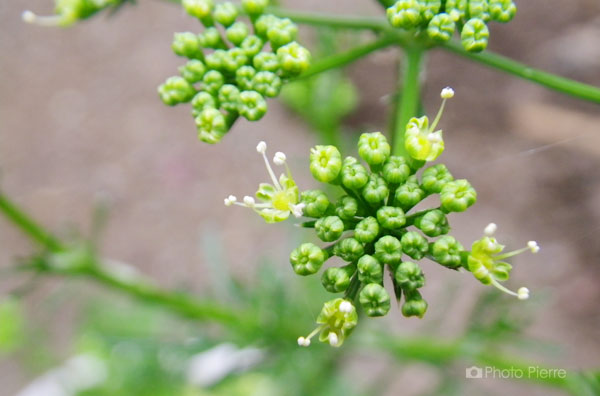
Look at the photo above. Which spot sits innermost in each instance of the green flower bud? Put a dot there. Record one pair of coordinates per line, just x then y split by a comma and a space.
376, 190
211, 38
396, 170
457, 196
405, 14
293, 59
354, 175
225, 13
502, 10
337, 279
388, 250
337, 324
176, 90
187, 44
347, 208
474, 35
429, 8
282, 32
435, 178
447, 251
252, 105
457, 9
193, 71
229, 97
370, 270
264, 23
414, 245
316, 203
409, 276
409, 194
216, 60
349, 249
237, 32
441, 27
373, 148
479, 9
202, 100
213, 81
234, 59
266, 61
307, 259
391, 217
200, 9
325, 163
414, 304
267, 84
374, 300
244, 76
211, 126
252, 46
329, 228
254, 7
366, 230
433, 223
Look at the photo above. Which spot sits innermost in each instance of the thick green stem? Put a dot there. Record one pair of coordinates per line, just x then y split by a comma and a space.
408, 101
557, 83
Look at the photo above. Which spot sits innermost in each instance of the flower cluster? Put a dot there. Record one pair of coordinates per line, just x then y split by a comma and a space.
232, 66
440, 18
68, 12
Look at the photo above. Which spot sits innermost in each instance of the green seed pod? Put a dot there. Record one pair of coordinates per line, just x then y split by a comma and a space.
447, 251
414, 245
282, 32
229, 97
367, 230
409, 276
479, 9
325, 163
414, 304
293, 59
457, 9
225, 13
193, 71
396, 170
244, 76
370, 270
429, 8
267, 84
349, 250
337, 279
211, 126
329, 229
435, 178
252, 45
213, 81
405, 14
216, 60
346, 208
211, 38
307, 259
354, 175
254, 7
373, 148
388, 250
200, 9
266, 61
376, 190
409, 194
315, 203
474, 35
441, 27
202, 100
187, 44
264, 23
457, 196
502, 10
391, 217
252, 105
176, 90
237, 32
433, 223
375, 300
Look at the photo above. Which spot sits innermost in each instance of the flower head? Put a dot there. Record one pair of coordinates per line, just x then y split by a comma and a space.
336, 321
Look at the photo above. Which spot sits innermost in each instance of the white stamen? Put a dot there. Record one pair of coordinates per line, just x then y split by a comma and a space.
50, 20
333, 339
490, 229
447, 93
261, 147
491, 245
523, 293
301, 341
249, 201
533, 246
230, 200
28, 16
298, 210
345, 307
279, 158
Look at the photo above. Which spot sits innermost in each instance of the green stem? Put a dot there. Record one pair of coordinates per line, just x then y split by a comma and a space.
408, 102
557, 83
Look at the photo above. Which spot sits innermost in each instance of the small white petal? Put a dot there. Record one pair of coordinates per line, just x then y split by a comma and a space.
490, 229
279, 158
261, 147
346, 307
333, 339
447, 93
533, 246
249, 201
523, 293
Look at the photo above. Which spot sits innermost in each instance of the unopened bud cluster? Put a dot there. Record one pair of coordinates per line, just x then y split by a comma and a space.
233, 66
441, 18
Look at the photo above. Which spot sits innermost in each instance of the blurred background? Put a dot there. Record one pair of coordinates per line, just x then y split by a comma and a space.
81, 123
